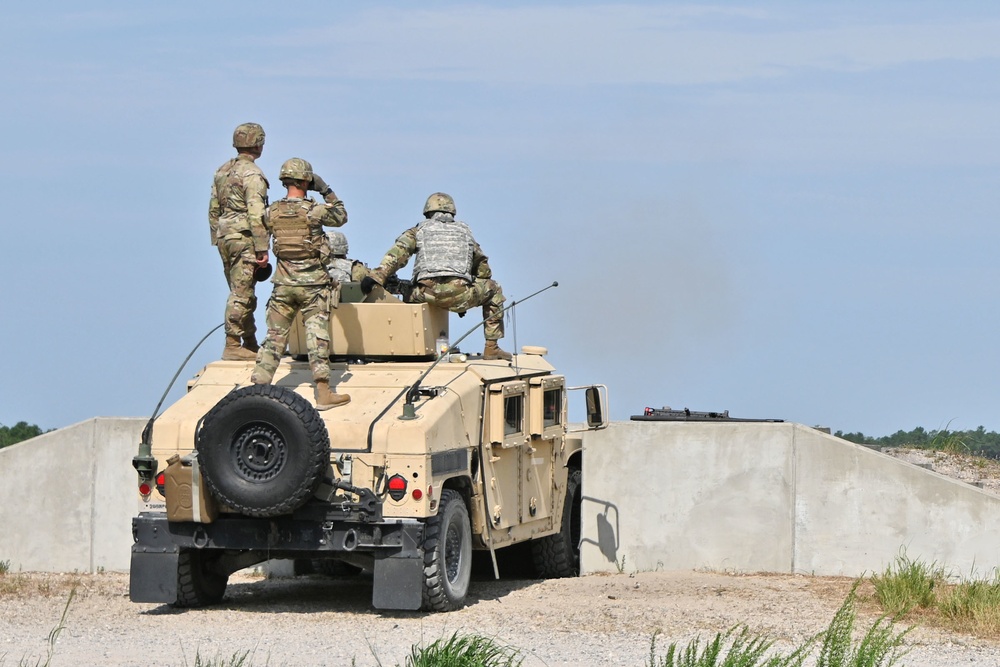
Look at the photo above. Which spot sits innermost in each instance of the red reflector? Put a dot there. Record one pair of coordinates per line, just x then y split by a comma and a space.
397, 483
161, 479
417, 495
145, 489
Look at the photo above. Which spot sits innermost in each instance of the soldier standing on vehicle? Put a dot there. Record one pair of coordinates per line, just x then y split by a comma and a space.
301, 282
235, 217
450, 270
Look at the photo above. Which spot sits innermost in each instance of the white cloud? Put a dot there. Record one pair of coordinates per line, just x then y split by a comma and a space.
623, 44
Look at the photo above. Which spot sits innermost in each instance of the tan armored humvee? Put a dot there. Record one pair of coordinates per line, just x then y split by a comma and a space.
435, 455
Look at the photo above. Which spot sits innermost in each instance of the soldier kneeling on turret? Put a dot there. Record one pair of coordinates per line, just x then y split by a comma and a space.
450, 270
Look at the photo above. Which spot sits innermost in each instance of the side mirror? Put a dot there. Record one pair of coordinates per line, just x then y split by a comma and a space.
596, 408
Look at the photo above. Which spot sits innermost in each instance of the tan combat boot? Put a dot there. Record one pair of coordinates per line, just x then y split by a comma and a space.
326, 399
233, 351
493, 351
251, 344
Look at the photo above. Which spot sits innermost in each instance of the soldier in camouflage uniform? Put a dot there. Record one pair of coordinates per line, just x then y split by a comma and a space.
450, 270
235, 218
340, 268
301, 281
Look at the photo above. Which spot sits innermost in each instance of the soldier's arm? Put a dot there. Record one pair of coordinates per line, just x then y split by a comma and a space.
256, 197
480, 263
336, 214
397, 256
214, 211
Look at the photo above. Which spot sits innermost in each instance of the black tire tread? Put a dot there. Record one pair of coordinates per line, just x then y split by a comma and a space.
435, 597
556, 556
196, 586
318, 441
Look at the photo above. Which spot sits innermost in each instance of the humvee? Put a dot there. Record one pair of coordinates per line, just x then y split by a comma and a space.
438, 454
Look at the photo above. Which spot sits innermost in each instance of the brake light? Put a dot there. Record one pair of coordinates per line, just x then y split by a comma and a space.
161, 484
145, 489
397, 487
417, 494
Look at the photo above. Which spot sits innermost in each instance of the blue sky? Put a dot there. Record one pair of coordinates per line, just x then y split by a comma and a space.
781, 209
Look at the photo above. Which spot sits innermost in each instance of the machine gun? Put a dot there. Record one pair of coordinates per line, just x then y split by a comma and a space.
400, 287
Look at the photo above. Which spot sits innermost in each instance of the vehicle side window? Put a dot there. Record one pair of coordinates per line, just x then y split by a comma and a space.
513, 414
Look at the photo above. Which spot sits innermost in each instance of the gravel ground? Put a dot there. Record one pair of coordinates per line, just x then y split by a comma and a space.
595, 620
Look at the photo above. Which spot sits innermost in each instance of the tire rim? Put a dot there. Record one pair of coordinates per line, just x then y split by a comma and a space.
452, 552
259, 452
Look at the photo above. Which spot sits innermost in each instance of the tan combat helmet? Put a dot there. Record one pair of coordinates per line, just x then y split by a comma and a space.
296, 169
338, 243
439, 201
248, 135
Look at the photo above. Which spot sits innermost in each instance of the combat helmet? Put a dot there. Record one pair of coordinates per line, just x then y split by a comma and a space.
439, 201
248, 135
296, 169
338, 243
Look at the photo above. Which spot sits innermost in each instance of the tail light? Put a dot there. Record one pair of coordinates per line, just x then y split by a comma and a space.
397, 487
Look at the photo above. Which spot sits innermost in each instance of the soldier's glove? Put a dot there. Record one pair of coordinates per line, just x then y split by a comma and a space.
368, 284
319, 185
461, 313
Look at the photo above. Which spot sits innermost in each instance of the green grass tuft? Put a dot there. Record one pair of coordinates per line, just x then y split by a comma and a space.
973, 606
464, 651
881, 645
907, 584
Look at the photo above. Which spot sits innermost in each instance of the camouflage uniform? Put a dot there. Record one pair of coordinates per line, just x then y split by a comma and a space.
340, 268
235, 217
457, 293
301, 282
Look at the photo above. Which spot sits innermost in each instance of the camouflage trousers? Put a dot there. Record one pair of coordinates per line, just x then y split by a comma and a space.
458, 296
239, 262
313, 301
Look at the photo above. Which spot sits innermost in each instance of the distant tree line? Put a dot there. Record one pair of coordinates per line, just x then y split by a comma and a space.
979, 441
11, 435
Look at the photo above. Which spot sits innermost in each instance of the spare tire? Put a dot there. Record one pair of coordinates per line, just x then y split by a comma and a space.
263, 450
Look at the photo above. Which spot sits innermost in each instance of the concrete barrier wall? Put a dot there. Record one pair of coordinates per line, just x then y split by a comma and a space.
752, 497
67, 498
771, 497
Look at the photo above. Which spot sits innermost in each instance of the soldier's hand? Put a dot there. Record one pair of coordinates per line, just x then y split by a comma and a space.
319, 185
368, 284
262, 258
461, 313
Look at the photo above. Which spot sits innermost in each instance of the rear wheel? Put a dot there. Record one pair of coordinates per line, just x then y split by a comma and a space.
447, 555
199, 583
263, 450
559, 555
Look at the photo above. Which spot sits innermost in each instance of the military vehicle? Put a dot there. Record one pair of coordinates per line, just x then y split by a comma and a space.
438, 454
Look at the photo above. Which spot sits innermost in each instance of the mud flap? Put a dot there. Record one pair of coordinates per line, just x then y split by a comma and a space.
398, 583
153, 576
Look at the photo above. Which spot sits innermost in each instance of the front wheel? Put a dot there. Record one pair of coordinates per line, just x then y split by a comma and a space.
447, 548
559, 555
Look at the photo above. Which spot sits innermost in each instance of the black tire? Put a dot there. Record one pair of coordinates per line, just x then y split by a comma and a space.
447, 549
559, 555
198, 583
263, 450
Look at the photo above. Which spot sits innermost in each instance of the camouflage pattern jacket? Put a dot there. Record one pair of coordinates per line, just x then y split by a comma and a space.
311, 270
239, 199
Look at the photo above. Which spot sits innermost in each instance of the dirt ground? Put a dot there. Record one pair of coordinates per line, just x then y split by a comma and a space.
595, 620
